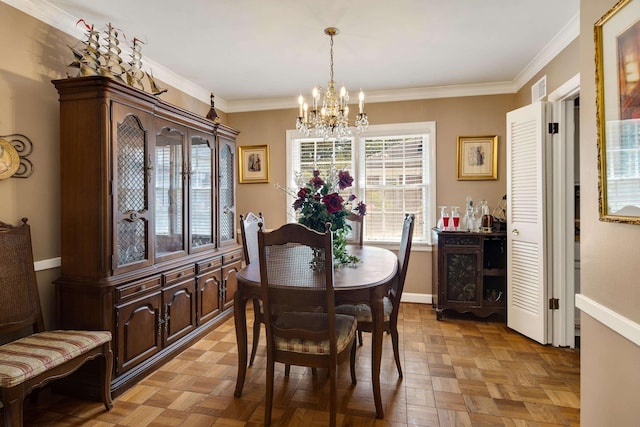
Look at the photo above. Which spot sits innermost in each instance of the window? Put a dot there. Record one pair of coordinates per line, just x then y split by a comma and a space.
394, 171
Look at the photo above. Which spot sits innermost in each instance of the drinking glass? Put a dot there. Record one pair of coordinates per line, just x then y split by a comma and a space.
443, 223
455, 218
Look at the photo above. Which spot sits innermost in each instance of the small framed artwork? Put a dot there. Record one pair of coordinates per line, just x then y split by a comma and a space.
477, 158
618, 112
253, 164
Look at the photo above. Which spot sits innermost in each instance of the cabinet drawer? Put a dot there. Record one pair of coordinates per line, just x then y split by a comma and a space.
461, 240
231, 257
208, 265
136, 288
179, 275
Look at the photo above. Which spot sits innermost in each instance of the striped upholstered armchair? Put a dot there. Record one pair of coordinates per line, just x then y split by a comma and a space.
42, 356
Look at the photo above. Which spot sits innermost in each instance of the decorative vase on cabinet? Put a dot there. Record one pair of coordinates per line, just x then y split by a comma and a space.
146, 253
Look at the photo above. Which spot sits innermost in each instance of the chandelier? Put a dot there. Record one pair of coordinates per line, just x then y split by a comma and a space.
328, 114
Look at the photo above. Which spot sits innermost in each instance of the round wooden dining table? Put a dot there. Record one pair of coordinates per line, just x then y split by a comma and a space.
367, 282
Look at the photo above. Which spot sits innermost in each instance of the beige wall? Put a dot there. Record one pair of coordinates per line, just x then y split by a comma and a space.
33, 54
559, 70
28, 105
478, 115
610, 364
610, 383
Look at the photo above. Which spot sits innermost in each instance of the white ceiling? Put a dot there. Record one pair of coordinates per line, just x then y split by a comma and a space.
257, 54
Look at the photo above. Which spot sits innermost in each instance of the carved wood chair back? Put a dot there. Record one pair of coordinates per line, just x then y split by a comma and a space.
296, 274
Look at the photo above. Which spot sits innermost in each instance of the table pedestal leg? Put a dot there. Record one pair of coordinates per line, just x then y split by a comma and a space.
240, 318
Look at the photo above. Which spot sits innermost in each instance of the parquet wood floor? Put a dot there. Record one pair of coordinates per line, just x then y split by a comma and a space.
462, 371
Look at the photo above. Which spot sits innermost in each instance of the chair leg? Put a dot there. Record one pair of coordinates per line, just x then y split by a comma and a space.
360, 337
287, 370
269, 393
396, 352
12, 407
333, 402
353, 363
257, 319
105, 376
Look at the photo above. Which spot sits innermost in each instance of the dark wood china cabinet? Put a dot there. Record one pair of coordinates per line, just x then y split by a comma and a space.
148, 222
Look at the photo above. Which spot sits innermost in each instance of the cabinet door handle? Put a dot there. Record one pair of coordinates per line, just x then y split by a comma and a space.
515, 232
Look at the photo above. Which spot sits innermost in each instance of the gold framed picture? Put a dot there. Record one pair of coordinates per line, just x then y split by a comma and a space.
618, 112
477, 158
253, 165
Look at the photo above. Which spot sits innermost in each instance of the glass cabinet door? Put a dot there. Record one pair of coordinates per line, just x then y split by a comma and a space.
169, 193
227, 192
201, 191
131, 217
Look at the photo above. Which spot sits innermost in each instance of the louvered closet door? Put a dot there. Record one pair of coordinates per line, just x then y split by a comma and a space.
527, 266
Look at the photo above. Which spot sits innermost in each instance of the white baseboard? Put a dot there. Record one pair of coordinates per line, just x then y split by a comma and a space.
47, 264
613, 320
417, 298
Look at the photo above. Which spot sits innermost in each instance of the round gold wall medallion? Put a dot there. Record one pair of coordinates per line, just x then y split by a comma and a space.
9, 159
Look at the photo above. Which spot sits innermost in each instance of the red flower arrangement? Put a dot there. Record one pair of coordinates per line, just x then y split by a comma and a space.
319, 202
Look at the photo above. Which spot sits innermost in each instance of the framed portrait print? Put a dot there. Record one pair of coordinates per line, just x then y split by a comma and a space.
617, 37
253, 164
477, 158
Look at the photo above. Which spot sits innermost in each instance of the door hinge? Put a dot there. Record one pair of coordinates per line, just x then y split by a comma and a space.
554, 304
553, 128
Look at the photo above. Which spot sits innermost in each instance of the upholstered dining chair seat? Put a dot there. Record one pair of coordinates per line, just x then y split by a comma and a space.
30, 356
346, 328
362, 312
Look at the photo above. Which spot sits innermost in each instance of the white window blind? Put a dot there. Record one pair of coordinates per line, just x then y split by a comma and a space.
394, 171
623, 164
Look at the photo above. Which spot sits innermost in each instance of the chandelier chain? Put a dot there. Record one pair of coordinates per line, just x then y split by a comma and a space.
331, 53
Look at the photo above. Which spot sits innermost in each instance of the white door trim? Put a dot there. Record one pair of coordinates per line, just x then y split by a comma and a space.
563, 319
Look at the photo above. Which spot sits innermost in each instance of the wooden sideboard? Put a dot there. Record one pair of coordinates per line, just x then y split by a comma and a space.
148, 233
469, 272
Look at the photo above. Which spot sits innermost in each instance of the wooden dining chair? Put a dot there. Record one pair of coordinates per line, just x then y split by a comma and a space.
357, 229
31, 362
249, 235
303, 329
362, 312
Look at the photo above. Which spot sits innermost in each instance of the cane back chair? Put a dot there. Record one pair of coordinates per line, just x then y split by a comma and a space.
303, 329
33, 361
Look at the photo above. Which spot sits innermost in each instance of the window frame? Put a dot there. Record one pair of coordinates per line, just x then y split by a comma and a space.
426, 129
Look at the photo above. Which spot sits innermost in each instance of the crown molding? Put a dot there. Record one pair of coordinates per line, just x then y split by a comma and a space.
54, 16
410, 94
569, 33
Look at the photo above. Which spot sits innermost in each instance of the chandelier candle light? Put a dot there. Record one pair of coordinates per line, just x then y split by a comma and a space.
329, 113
